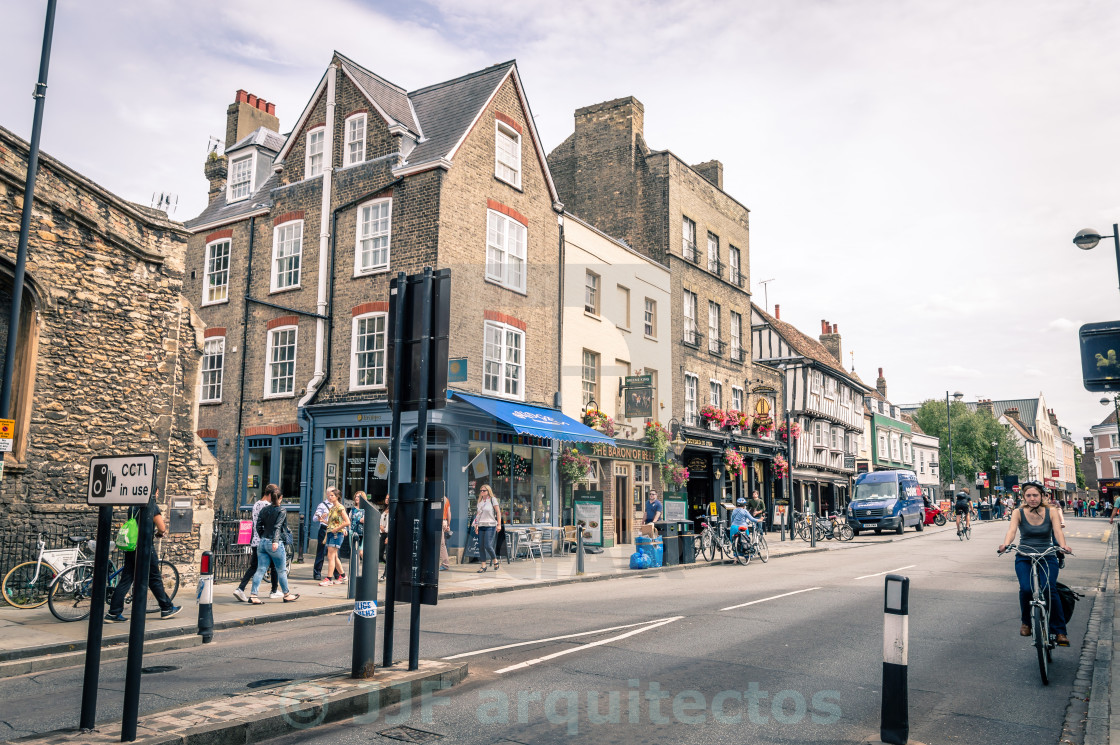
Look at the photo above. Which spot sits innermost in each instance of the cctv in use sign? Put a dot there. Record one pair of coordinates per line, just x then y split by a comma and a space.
121, 479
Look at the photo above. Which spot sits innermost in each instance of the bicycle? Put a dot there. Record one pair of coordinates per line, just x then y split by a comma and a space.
71, 593
964, 529
27, 585
705, 542
1042, 640
834, 527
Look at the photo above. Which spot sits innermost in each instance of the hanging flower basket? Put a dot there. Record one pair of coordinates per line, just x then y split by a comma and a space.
596, 419
574, 465
714, 417
737, 421
781, 467
657, 438
733, 462
763, 427
794, 429
675, 474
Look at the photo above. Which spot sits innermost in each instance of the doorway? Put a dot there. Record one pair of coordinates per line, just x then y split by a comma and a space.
622, 506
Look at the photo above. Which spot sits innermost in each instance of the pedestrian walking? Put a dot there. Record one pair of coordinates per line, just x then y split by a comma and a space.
445, 532
1092, 508
337, 522
358, 523
272, 528
487, 522
129, 569
320, 517
260, 504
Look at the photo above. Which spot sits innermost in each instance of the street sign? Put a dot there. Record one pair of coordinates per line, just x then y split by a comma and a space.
638, 381
638, 402
457, 370
1055, 473
121, 479
849, 462
1100, 345
7, 434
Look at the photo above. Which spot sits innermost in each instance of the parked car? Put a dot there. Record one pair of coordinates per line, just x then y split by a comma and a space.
886, 500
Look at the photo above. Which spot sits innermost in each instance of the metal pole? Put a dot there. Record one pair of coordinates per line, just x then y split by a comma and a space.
96, 617
365, 627
579, 548
952, 469
394, 470
40, 96
421, 466
143, 569
1115, 241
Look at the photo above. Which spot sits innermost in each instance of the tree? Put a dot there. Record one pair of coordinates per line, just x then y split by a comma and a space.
1078, 456
973, 435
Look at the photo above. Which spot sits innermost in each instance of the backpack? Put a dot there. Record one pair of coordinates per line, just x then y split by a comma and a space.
127, 535
1069, 598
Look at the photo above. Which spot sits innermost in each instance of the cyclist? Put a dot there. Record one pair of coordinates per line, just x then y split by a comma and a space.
1038, 536
962, 506
742, 516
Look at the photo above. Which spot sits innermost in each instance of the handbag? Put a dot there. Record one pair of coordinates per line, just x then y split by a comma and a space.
127, 535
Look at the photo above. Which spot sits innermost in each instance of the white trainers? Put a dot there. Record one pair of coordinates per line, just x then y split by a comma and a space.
276, 595
240, 595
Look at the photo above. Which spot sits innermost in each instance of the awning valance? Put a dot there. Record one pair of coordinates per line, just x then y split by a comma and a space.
537, 421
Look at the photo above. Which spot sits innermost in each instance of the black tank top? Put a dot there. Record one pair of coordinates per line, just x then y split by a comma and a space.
1038, 537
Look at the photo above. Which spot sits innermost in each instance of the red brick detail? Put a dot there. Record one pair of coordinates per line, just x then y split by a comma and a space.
218, 234
276, 323
316, 126
380, 306
287, 217
493, 315
272, 429
356, 111
241, 96
508, 211
504, 119
216, 331
211, 433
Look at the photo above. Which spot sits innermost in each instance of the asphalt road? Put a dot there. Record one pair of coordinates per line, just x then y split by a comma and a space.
785, 652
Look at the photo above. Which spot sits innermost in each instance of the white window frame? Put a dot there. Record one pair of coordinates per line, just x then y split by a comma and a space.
713, 255
308, 155
818, 434
736, 334
834, 438
275, 285
251, 156
216, 372
355, 367
884, 447
624, 298
1113, 440
592, 293
816, 381
736, 398
589, 376
715, 393
714, 329
209, 272
688, 237
501, 252
360, 236
349, 150
270, 365
691, 308
691, 404
896, 453
649, 318
503, 360
734, 265
504, 130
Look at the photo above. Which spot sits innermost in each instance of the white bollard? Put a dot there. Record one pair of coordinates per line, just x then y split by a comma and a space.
894, 724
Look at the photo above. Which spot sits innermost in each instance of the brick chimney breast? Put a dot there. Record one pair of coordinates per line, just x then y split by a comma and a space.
1012, 412
246, 114
830, 340
881, 384
712, 171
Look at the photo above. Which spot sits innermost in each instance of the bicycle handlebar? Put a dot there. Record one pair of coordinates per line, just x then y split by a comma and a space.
1052, 550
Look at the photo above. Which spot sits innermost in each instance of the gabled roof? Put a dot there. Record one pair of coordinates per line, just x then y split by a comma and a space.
261, 137
1018, 427
914, 428
1028, 408
1110, 419
391, 100
808, 347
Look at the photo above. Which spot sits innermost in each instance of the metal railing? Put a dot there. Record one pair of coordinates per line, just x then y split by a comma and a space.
735, 277
738, 354
231, 559
715, 267
688, 250
692, 338
716, 346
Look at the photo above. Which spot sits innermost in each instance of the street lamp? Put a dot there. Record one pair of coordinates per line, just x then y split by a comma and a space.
1088, 239
957, 396
995, 444
675, 432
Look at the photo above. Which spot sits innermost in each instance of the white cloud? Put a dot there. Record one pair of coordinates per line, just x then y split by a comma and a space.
1060, 324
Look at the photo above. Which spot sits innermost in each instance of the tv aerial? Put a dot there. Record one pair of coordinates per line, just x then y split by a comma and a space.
165, 201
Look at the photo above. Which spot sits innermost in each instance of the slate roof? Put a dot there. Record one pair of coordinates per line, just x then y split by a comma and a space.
1028, 408
262, 137
807, 346
447, 110
218, 210
1022, 430
392, 99
1110, 419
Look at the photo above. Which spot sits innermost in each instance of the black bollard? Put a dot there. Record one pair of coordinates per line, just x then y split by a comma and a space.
206, 598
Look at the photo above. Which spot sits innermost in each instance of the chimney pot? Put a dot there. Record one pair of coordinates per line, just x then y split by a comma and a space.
824, 326
262, 104
880, 372
252, 100
836, 328
241, 97
777, 311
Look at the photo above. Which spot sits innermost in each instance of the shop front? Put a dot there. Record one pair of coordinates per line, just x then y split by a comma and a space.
709, 475
625, 472
472, 442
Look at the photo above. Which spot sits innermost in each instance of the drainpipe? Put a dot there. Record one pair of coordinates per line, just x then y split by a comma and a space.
324, 245
237, 480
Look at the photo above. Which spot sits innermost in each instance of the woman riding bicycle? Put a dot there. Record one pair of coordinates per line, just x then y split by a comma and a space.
742, 516
1039, 528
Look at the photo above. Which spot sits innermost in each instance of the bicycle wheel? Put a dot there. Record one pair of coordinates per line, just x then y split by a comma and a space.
23, 589
71, 594
968, 533
170, 576
740, 549
707, 551
846, 532
1040, 641
762, 549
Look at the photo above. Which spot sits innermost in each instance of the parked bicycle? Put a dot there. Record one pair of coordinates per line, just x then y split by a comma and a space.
27, 585
1041, 638
71, 594
834, 527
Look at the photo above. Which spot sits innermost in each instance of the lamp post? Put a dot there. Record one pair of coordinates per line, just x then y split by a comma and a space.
957, 396
1088, 239
998, 489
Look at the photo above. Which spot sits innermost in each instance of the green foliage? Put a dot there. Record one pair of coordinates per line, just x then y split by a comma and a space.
973, 435
1078, 456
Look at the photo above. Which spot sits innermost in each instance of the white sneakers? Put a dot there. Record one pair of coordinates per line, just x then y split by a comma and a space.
240, 595
276, 595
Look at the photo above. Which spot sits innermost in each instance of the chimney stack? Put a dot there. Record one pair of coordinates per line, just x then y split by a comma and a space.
830, 339
881, 384
215, 170
1012, 412
712, 171
985, 404
777, 311
248, 113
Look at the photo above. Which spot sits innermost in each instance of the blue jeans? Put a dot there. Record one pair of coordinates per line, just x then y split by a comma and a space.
1047, 577
486, 537
266, 557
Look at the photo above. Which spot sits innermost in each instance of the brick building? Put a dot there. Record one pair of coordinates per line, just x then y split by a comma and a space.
679, 215
107, 358
291, 262
1102, 449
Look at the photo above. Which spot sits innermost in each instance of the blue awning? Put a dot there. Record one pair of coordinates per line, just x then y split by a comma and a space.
535, 420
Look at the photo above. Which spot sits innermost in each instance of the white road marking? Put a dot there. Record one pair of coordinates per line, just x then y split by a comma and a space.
772, 597
889, 571
556, 638
599, 643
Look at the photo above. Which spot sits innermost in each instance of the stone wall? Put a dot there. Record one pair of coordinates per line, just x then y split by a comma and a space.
110, 352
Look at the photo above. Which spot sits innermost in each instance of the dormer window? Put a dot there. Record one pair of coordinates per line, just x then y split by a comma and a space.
316, 139
507, 145
241, 177
355, 139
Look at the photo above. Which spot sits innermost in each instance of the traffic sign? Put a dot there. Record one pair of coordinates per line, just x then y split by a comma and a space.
121, 479
7, 434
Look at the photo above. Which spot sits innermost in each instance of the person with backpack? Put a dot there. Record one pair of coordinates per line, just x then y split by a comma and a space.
126, 542
272, 528
260, 504
358, 523
444, 532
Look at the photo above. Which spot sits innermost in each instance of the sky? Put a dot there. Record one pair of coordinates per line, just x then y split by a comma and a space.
915, 171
